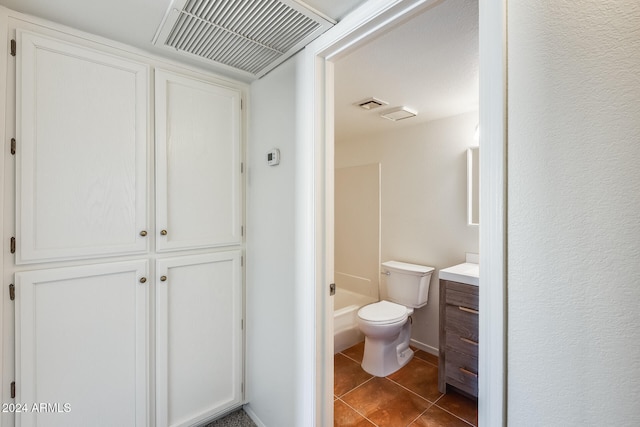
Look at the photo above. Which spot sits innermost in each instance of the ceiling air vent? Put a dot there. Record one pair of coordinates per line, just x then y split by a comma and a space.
371, 103
252, 36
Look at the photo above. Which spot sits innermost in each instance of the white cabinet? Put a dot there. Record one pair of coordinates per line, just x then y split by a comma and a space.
81, 344
81, 161
198, 337
84, 196
198, 163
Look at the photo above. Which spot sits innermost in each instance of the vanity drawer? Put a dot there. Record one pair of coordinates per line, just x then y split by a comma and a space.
464, 345
461, 294
462, 372
462, 322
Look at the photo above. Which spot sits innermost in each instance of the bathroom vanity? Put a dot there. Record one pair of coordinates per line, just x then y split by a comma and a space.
458, 365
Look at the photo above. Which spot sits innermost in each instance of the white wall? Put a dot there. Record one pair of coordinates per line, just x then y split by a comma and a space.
573, 213
271, 322
423, 175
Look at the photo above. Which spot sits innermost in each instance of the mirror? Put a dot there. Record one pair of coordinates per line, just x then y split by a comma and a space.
473, 185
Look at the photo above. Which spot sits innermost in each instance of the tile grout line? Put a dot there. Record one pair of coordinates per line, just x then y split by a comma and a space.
351, 358
411, 391
451, 413
421, 414
442, 395
355, 388
358, 412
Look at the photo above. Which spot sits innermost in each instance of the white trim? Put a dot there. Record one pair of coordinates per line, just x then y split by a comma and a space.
7, 311
493, 124
253, 416
424, 347
309, 364
314, 83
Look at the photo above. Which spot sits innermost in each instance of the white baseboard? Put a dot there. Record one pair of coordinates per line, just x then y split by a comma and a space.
424, 347
253, 416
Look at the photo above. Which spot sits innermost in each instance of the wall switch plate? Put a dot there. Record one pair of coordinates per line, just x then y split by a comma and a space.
273, 157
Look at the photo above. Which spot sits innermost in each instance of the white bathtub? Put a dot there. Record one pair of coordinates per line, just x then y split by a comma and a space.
345, 312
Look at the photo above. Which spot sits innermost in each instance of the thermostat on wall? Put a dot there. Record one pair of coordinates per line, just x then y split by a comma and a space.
273, 157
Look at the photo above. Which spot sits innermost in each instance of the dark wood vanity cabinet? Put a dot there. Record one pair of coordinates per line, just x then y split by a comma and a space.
458, 366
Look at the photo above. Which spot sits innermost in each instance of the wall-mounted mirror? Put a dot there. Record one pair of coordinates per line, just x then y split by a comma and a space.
473, 185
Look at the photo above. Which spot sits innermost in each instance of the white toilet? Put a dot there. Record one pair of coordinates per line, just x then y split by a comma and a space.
387, 324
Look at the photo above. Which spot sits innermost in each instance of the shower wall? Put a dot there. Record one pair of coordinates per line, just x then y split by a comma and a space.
357, 228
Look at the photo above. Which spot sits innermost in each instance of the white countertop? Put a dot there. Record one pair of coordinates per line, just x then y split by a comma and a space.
467, 272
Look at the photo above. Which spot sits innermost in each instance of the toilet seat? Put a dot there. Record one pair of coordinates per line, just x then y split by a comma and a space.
384, 312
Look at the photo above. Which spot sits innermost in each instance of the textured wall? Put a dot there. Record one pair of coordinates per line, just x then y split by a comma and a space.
270, 287
423, 197
573, 213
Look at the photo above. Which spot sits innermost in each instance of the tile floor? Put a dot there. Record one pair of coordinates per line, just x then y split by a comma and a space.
408, 397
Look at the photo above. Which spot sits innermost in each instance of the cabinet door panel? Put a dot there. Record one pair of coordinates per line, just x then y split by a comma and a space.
81, 160
198, 177
81, 343
199, 337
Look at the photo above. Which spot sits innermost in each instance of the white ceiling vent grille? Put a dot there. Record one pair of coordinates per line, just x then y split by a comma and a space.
248, 35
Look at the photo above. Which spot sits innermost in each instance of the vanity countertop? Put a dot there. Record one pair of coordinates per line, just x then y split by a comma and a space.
467, 272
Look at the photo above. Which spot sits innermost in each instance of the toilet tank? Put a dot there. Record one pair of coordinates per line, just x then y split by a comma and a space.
407, 284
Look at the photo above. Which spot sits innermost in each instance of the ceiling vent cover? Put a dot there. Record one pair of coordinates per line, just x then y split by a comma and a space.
253, 36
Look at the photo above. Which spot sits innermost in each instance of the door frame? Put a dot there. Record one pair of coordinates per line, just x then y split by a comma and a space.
314, 227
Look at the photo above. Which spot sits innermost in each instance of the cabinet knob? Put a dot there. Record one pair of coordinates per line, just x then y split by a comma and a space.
163, 232
163, 278
143, 233
143, 280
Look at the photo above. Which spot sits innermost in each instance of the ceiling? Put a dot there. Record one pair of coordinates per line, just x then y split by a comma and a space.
135, 22
429, 63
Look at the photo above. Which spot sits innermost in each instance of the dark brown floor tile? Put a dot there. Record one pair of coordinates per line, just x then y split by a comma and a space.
386, 403
436, 417
347, 374
461, 406
420, 377
355, 352
344, 416
427, 357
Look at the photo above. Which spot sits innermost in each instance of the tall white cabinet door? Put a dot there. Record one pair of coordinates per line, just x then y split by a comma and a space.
198, 161
81, 160
81, 345
198, 337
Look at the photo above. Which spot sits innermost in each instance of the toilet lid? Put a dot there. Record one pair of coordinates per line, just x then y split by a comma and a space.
383, 312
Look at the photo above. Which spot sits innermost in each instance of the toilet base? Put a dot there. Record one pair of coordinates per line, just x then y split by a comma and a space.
382, 358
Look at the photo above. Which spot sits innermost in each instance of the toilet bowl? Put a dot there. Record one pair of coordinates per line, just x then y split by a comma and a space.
387, 330
387, 324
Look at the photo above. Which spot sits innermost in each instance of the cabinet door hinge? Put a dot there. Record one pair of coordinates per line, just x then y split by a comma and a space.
13, 389
241, 167
332, 289
13, 47
242, 324
12, 245
13, 146
242, 261
242, 230
12, 292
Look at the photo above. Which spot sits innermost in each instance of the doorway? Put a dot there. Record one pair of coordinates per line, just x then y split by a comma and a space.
319, 62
